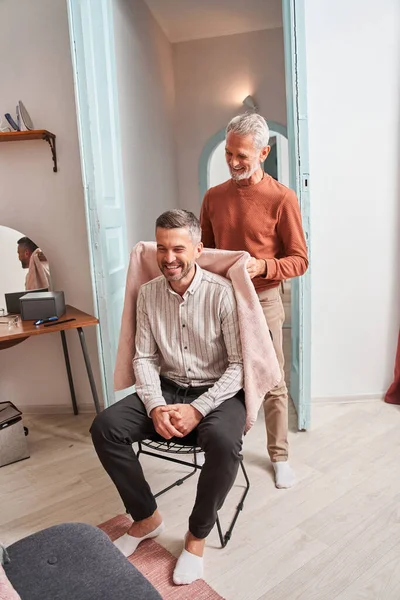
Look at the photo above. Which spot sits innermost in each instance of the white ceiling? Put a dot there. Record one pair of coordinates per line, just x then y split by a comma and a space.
184, 20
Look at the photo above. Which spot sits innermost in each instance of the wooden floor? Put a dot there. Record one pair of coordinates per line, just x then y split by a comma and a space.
334, 536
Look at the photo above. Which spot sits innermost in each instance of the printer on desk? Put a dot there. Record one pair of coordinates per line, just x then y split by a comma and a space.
13, 300
42, 305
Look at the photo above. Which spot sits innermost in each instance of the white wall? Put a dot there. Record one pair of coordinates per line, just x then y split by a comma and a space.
283, 159
213, 76
47, 207
353, 54
146, 99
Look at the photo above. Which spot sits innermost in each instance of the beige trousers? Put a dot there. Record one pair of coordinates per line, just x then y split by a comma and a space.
276, 401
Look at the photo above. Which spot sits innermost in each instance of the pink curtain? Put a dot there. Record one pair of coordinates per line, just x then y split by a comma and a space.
393, 393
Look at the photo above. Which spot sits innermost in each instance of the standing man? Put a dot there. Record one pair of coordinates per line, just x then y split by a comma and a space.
189, 378
253, 212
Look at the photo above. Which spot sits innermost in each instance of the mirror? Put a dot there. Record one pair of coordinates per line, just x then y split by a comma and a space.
276, 164
23, 267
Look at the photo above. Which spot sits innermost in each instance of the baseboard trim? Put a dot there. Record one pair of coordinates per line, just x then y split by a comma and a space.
355, 399
54, 409
88, 408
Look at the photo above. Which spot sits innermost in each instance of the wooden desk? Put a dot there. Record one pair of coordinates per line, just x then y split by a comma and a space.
10, 336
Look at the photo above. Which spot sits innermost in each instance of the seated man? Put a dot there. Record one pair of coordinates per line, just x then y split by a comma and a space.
189, 378
32, 258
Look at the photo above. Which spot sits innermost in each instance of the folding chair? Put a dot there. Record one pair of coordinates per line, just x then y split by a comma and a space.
165, 448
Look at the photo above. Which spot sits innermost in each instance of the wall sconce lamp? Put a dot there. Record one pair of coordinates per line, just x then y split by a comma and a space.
250, 103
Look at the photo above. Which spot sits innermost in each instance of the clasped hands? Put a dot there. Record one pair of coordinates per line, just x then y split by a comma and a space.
175, 420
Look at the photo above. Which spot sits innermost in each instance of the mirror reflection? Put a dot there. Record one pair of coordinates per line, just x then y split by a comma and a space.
24, 267
276, 163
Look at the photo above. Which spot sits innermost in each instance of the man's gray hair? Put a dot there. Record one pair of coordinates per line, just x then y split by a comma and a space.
250, 124
177, 218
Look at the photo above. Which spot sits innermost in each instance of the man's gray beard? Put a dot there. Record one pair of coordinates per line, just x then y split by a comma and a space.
246, 175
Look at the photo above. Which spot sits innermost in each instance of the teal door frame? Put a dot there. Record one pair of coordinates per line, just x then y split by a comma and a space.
94, 68
297, 125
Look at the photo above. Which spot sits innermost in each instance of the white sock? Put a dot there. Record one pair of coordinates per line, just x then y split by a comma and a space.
284, 475
188, 568
127, 544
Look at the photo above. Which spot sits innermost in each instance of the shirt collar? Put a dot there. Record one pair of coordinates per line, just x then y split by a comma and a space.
198, 276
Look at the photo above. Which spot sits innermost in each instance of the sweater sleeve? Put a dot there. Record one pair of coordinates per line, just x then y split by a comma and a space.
207, 233
290, 231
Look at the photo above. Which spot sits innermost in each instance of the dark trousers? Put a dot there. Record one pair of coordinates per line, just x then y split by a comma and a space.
219, 435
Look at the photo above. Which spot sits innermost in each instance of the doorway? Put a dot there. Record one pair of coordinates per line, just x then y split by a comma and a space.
172, 78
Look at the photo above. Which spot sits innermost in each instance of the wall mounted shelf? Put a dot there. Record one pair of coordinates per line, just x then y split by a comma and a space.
34, 134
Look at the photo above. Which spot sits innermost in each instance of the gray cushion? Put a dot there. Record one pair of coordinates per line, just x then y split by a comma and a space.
74, 561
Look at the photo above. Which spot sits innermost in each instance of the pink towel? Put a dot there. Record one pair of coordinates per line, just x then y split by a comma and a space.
7, 592
261, 369
39, 272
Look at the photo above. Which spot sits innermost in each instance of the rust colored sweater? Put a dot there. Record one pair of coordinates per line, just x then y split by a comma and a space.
263, 219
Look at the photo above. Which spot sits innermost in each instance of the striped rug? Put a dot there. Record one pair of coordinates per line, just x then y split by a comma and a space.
157, 565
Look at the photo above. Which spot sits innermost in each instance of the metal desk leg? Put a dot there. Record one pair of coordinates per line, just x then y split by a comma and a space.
89, 369
69, 372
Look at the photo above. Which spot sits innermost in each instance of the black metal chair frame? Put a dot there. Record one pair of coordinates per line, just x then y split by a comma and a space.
165, 448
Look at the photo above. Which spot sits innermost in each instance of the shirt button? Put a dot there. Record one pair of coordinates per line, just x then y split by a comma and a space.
183, 325
185, 348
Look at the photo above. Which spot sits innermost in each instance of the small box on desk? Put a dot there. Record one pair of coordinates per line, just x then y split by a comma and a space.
42, 305
13, 444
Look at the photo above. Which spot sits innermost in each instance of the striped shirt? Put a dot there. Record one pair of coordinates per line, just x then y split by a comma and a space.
192, 340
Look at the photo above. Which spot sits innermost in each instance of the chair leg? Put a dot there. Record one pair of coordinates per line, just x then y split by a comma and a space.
195, 467
224, 539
